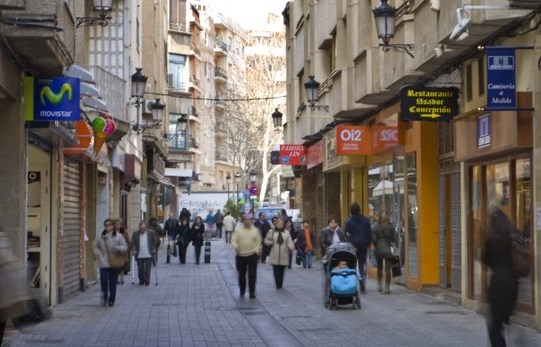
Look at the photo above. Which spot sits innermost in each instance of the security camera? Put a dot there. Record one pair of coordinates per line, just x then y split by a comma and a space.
460, 31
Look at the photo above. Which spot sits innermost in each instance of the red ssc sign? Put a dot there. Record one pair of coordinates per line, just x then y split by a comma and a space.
385, 137
292, 155
353, 140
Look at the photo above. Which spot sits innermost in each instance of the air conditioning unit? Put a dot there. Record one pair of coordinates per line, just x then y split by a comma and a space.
147, 106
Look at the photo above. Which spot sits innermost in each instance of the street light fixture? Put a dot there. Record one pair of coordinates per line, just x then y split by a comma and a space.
237, 182
385, 16
311, 88
138, 86
182, 122
277, 118
253, 176
157, 108
103, 7
228, 181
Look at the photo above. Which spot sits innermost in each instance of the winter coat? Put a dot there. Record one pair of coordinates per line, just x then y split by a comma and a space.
384, 235
503, 285
153, 242
359, 230
327, 235
279, 253
229, 223
172, 227
114, 242
184, 214
183, 238
196, 234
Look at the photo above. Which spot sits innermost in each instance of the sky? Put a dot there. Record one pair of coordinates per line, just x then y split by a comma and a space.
248, 12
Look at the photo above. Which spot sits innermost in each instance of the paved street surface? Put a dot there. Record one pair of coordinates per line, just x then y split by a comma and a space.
199, 305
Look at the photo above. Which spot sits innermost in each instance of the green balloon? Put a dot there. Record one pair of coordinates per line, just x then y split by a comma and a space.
98, 124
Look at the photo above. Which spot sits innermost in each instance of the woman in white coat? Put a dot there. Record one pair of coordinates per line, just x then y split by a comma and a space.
282, 244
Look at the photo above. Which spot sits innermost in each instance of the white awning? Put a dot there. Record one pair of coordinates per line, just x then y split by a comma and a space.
172, 172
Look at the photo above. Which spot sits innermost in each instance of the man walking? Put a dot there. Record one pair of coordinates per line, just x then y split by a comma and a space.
360, 235
263, 225
219, 220
247, 245
145, 243
171, 228
229, 226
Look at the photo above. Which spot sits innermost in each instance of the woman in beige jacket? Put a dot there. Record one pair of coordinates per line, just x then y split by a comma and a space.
282, 244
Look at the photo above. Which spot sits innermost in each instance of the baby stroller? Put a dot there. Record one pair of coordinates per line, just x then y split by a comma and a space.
341, 284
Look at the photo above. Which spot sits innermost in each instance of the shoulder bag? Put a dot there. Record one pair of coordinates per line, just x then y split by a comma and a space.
116, 259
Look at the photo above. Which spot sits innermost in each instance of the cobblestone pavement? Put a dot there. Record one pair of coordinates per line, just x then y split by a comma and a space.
199, 305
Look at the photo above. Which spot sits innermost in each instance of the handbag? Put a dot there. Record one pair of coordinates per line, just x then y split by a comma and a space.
116, 259
396, 270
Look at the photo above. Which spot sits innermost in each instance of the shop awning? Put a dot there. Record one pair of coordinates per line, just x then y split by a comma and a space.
173, 172
156, 177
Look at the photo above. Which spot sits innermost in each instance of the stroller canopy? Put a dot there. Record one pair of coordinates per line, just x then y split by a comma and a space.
342, 251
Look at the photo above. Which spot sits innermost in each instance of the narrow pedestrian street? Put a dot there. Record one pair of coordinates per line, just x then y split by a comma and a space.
199, 305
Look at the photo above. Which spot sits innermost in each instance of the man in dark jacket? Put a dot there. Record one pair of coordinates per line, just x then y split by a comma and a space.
264, 226
171, 229
360, 235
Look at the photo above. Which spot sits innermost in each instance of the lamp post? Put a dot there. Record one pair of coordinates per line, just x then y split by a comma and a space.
237, 182
138, 85
103, 8
228, 181
311, 87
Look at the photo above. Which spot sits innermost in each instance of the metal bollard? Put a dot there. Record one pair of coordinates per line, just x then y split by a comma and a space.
207, 252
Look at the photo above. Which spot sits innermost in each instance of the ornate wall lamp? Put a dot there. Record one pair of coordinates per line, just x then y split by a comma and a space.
385, 16
311, 88
182, 123
103, 8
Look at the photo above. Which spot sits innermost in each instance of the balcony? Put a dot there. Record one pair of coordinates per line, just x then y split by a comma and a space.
42, 36
179, 27
194, 83
220, 75
221, 48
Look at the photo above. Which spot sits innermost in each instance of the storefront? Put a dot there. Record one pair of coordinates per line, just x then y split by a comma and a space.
496, 148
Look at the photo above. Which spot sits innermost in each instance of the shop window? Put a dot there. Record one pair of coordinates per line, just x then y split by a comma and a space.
477, 238
524, 220
481, 75
412, 216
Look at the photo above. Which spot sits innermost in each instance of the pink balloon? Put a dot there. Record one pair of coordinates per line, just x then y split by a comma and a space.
110, 126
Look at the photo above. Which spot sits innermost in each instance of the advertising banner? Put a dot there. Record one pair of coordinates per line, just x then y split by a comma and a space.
428, 104
314, 155
501, 79
51, 99
353, 140
483, 131
385, 137
292, 155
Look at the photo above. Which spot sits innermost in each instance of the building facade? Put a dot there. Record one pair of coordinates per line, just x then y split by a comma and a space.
434, 179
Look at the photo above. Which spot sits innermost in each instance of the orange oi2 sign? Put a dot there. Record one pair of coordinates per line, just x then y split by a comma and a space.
292, 155
353, 140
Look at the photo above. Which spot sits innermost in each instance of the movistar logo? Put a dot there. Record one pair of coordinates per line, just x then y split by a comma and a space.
55, 98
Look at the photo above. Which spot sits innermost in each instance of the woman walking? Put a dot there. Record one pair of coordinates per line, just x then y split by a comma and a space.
281, 246
305, 244
384, 237
183, 239
503, 285
196, 235
105, 245
119, 228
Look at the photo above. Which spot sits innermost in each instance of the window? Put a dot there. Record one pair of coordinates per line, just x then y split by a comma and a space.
469, 86
179, 140
481, 75
177, 71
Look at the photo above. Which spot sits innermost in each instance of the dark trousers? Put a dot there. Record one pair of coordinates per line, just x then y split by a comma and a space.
388, 263
361, 260
228, 236
264, 253
108, 279
279, 271
197, 253
244, 265
143, 269
290, 260
495, 332
182, 250
2, 328
219, 227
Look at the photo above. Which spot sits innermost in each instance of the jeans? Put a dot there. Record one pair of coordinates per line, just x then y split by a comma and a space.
361, 261
143, 269
247, 265
278, 271
219, 227
307, 259
108, 279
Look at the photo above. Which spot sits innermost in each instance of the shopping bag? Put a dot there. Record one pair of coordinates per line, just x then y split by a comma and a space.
172, 248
